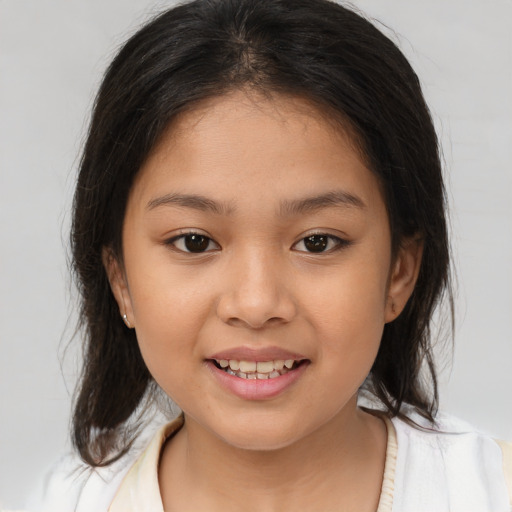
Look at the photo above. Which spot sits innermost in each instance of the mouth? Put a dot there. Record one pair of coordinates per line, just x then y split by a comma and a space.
258, 370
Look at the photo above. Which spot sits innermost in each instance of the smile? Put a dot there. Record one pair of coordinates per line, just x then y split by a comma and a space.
260, 370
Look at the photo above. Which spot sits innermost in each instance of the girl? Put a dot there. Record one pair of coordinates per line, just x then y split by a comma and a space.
259, 232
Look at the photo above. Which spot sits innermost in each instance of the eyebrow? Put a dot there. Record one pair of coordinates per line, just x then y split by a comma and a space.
336, 198
194, 201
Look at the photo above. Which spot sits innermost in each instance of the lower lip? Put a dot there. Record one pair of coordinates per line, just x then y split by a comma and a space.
257, 389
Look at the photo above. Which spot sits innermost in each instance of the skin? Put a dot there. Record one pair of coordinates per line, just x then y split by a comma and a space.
257, 285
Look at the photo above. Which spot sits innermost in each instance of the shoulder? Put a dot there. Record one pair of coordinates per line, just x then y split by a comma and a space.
72, 485
448, 464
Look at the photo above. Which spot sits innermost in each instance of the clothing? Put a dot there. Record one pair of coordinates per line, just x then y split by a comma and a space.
452, 468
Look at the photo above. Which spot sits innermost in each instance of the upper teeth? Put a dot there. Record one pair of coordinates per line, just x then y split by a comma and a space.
256, 367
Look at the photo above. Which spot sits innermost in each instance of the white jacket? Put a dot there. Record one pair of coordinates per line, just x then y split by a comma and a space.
451, 469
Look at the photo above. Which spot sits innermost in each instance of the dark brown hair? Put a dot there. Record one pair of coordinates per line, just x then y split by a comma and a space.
316, 49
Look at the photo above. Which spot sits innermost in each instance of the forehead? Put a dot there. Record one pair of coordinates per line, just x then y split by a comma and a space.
258, 112
232, 145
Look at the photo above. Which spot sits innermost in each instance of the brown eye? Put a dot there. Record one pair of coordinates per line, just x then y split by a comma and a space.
194, 243
316, 243
320, 243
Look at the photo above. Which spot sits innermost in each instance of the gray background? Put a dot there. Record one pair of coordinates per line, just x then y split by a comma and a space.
52, 55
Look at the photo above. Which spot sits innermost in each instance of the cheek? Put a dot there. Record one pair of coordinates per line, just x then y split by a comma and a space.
161, 293
347, 312
351, 296
168, 311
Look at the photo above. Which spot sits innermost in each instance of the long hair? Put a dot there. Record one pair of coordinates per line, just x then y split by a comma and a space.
316, 49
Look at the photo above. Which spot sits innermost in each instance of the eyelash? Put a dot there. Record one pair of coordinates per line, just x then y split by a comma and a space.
182, 238
334, 243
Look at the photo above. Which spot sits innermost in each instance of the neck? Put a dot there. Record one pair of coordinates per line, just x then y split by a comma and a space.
341, 464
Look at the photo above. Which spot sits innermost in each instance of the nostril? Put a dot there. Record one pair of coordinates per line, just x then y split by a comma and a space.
255, 324
256, 309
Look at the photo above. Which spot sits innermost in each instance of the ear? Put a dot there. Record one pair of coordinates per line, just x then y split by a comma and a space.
404, 274
118, 285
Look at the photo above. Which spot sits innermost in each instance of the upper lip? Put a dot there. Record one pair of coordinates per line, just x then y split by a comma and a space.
256, 354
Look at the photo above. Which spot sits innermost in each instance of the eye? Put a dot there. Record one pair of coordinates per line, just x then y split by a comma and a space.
319, 243
193, 242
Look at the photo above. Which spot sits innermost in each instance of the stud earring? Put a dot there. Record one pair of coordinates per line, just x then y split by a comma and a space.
125, 319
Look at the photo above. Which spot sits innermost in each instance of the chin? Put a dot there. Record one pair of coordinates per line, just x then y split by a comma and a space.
262, 433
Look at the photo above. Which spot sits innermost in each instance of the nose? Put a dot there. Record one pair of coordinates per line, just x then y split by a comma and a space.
257, 291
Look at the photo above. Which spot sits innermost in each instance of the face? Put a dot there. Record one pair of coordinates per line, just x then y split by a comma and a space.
257, 269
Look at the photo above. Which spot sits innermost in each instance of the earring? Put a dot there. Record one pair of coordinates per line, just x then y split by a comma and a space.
125, 319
